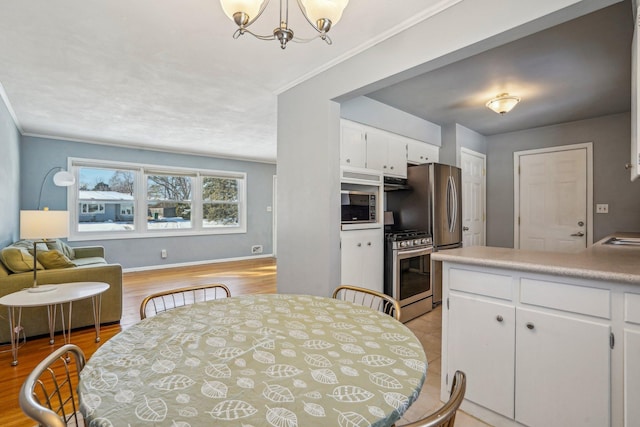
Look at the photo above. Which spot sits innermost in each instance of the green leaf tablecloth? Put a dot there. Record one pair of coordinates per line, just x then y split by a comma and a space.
259, 360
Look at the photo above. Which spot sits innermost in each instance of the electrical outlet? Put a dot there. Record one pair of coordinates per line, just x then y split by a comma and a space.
602, 208
163, 253
256, 249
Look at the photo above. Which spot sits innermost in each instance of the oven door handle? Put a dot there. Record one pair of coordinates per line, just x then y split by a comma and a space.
414, 252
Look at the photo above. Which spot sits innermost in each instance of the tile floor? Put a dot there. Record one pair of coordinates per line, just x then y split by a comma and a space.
428, 329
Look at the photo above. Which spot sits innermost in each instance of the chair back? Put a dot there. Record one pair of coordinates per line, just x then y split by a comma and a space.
446, 415
368, 298
48, 394
167, 300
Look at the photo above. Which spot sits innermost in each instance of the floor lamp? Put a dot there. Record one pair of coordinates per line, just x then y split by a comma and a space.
40, 226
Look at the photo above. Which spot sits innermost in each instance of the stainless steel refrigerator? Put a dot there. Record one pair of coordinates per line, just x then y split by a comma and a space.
434, 204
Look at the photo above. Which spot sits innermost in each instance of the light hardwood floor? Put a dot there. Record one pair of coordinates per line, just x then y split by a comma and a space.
242, 277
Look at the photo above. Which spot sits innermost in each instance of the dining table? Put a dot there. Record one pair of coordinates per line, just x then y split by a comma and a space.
257, 360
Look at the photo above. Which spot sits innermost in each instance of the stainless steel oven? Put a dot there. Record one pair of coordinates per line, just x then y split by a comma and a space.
408, 271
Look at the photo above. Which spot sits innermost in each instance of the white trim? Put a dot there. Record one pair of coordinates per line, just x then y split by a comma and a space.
415, 19
12, 113
588, 146
192, 263
274, 217
484, 189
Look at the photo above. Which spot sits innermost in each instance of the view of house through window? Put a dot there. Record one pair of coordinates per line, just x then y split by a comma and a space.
134, 200
105, 199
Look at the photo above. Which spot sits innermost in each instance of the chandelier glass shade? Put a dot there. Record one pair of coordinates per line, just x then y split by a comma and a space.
321, 15
503, 103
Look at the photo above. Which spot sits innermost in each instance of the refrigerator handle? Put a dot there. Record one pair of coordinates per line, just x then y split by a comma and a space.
455, 204
450, 201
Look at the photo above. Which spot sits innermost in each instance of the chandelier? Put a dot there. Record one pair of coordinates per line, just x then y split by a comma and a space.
321, 15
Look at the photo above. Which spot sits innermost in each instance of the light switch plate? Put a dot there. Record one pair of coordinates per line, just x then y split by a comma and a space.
602, 208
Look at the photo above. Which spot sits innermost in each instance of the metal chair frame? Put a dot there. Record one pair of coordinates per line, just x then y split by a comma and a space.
48, 393
368, 298
446, 415
167, 300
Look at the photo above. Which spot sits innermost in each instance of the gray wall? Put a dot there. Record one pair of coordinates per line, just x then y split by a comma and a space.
471, 139
309, 121
374, 113
9, 177
610, 135
39, 155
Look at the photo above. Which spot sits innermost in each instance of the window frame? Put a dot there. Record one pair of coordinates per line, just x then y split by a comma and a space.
141, 171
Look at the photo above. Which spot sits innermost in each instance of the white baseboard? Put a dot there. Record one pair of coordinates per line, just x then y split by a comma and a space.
188, 264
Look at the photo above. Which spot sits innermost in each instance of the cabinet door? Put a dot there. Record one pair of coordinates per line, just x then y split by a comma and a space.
377, 151
353, 146
362, 258
373, 260
396, 157
420, 152
631, 377
481, 341
563, 370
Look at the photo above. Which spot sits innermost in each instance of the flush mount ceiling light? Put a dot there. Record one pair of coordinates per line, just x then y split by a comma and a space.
321, 14
503, 103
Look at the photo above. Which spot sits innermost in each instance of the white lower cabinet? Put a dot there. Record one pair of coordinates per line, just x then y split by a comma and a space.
563, 370
481, 342
536, 352
631, 362
362, 255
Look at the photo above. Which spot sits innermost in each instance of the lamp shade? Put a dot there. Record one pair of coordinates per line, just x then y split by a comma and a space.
324, 9
44, 224
251, 8
64, 179
503, 103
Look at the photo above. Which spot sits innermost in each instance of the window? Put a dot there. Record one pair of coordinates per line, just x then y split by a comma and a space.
220, 203
122, 200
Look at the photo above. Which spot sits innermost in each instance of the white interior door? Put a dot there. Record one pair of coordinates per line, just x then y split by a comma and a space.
554, 192
473, 198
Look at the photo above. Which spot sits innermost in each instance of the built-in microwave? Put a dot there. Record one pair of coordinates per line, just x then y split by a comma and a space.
358, 206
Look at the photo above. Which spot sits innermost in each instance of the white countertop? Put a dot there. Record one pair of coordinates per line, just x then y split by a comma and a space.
598, 262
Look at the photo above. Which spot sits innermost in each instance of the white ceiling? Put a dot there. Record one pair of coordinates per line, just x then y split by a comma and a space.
167, 74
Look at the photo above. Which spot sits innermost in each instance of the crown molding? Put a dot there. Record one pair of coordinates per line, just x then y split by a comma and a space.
7, 103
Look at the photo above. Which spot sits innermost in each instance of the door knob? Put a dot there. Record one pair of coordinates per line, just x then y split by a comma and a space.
499, 318
578, 234
465, 228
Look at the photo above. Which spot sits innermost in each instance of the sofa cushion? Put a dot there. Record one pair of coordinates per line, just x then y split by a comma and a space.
61, 246
92, 260
18, 260
54, 259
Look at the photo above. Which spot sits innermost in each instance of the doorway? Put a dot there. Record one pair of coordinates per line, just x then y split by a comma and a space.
553, 193
473, 197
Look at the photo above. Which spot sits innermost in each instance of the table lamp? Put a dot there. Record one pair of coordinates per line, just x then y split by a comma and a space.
40, 226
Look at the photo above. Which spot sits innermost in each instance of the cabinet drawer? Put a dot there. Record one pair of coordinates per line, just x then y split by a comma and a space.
632, 308
571, 298
475, 282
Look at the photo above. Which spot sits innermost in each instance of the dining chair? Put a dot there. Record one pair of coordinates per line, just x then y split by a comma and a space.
48, 394
446, 415
167, 300
369, 298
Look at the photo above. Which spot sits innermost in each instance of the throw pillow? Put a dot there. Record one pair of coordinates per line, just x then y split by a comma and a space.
61, 246
18, 260
54, 259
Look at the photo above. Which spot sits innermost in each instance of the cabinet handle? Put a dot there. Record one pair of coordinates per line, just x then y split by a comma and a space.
359, 244
368, 243
391, 167
499, 318
348, 160
530, 325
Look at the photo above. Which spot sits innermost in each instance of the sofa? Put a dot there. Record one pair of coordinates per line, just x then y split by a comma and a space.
58, 263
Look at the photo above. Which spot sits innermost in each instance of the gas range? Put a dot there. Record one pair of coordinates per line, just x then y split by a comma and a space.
408, 239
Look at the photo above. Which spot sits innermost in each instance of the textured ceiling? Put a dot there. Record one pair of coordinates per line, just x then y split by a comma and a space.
167, 74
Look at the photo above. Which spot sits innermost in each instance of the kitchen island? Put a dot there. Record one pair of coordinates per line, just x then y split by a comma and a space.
545, 338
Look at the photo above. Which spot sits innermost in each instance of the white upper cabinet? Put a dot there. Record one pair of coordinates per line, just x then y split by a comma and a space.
419, 152
353, 145
386, 152
634, 165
